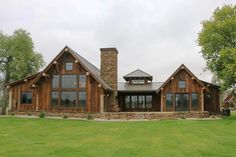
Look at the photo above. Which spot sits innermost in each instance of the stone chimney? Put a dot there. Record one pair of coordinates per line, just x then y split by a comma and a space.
108, 72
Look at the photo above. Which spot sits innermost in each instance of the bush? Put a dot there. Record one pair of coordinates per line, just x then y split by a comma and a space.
90, 117
12, 114
29, 114
41, 114
65, 117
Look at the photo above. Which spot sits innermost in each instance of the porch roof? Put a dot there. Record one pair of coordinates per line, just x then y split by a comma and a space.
149, 87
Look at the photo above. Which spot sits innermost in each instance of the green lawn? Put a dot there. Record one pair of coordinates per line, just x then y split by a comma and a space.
165, 138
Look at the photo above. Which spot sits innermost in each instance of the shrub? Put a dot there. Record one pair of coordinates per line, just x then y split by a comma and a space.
41, 114
65, 117
12, 114
29, 114
90, 117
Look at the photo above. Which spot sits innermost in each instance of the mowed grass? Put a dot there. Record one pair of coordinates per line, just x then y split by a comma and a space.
21, 137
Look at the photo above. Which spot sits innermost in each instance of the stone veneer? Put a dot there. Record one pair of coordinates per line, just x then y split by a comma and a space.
128, 115
108, 72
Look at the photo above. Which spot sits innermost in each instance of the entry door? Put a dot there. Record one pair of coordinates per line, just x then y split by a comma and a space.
181, 102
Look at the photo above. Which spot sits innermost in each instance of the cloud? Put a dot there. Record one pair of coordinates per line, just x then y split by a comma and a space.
155, 36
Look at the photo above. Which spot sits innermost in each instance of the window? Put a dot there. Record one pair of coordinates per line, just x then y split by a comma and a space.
54, 99
208, 98
55, 81
182, 84
68, 81
141, 101
182, 102
68, 99
82, 99
82, 81
26, 98
127, 101
148, 101
169, 101
69, 66
195, 104
134, 101
137, 81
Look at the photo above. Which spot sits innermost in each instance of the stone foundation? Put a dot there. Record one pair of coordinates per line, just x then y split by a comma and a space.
126, 115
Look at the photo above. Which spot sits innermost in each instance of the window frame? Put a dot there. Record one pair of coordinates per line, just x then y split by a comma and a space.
180, 85
71, 67
196, 106
21, 98
172, 101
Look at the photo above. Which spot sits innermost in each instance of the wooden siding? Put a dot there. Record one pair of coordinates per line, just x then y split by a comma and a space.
214, 104
172, 87
43, 88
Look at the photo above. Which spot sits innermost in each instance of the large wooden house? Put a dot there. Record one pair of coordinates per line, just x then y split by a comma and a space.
72, 84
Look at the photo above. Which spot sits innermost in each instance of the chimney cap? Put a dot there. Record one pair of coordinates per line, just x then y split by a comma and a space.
109, 49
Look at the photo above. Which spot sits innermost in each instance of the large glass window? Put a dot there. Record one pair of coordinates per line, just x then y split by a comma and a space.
127, 101
26, 98
195, 101
169, 101
55, 81
82, 99
82, 81
134, 101
69, 65
68, 81
68, 99
182, 84
141, 101
148, 101
54, 99
182, 102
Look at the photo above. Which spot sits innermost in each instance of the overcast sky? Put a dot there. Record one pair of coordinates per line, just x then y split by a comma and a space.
155, 36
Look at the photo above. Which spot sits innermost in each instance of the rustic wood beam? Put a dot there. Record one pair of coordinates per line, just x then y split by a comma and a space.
45, 75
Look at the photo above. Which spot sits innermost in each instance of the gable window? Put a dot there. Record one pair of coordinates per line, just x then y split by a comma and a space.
169, 102
68, 81
82, 99
55, 81
182, 84
82, 81
54, 98
69, 66
68, 99
26, 98
195, 102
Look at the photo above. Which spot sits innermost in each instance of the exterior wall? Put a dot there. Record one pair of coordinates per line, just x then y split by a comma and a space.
42, 91
214, 104
156, 102
192, 86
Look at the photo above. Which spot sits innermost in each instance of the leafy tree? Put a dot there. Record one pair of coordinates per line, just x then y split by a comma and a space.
218, 44
17, 59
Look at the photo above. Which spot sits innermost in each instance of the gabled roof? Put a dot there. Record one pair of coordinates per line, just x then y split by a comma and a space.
182, 66
138, 74
23, 79
149, 87
93, 71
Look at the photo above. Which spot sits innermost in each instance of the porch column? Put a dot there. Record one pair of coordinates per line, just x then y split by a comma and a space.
18, 98
9, 101
37, 100
162, 102
202, 99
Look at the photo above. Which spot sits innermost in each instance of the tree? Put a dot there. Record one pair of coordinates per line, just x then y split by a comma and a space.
217, 40
17, 59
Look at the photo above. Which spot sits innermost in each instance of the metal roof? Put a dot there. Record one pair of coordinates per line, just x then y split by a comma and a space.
149, 87
138, 74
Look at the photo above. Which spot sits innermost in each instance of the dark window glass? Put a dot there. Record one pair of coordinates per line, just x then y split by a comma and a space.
141, 101
54, 99
127, 101
134, 101
26, 98
68, 81
69, 66
55, 81
195, 102
68, 99
82, 99
148, 101
169, 101
82, 81
182, 84
182, 102
208, 98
